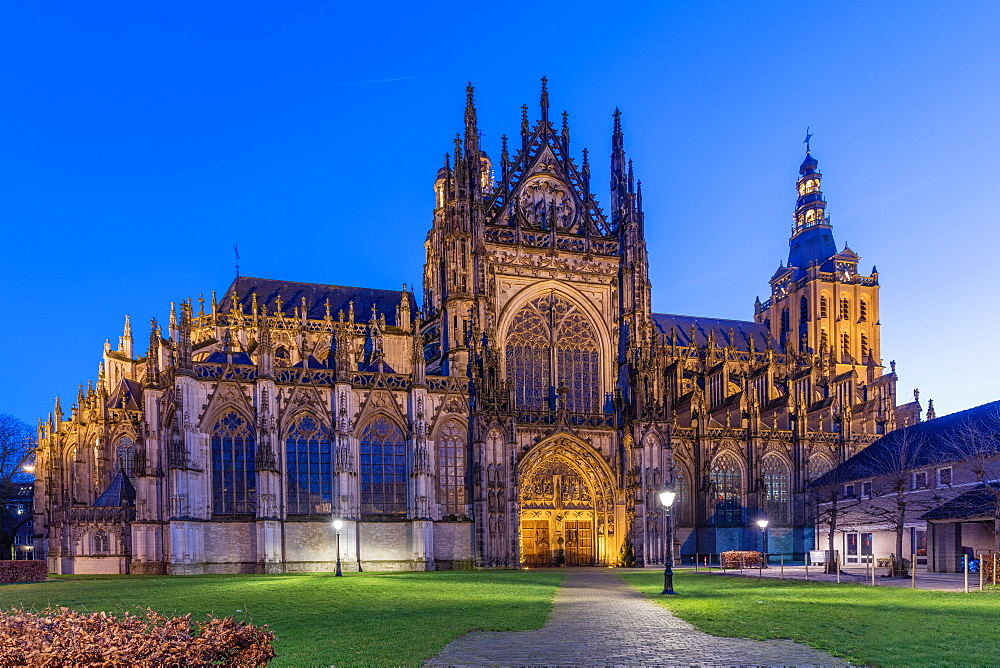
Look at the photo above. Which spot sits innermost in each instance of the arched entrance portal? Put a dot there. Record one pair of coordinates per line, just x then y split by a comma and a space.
567, 506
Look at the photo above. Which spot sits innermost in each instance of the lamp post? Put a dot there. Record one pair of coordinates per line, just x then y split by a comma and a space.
338, 525
763, 540
667, 497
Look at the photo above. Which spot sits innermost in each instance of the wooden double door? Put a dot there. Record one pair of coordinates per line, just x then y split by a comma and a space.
551, 539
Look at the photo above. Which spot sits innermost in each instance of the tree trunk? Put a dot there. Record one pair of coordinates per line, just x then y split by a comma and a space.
897, 567
831, 560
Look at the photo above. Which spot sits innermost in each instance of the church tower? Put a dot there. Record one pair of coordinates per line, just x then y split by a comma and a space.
820, 304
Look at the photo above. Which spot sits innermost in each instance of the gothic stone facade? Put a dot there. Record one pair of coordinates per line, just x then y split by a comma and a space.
525, 413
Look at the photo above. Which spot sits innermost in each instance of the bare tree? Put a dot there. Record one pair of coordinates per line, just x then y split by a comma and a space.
975, 442
890, 465
17, 450
831, 505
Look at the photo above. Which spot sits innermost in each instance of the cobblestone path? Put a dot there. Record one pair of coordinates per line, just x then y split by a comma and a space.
599, 620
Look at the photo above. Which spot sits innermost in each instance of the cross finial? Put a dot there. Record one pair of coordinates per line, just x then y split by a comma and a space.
806, 140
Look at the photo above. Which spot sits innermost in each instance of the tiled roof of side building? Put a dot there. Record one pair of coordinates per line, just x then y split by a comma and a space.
973, 432
742, 330
979, 502
316, 295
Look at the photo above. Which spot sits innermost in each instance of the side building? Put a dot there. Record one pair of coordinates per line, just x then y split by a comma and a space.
525, 412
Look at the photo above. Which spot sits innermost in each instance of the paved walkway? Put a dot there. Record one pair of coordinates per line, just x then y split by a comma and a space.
599, 620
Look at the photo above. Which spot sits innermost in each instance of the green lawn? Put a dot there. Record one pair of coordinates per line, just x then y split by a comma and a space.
883, 626
377, 619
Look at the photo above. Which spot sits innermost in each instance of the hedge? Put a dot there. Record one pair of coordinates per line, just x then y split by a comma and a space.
64, 637
742, 559
22, 571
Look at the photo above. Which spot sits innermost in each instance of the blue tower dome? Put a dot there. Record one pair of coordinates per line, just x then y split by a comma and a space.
808, 165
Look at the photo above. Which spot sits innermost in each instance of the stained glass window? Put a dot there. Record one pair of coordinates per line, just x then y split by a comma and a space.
818, 465
125, 457
383, 469
308, 472
727, 491
234, 474
552, 345
683, 501
775, 477
451, 468
102, 542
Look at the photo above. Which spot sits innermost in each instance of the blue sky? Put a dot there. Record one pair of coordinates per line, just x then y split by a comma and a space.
140, 141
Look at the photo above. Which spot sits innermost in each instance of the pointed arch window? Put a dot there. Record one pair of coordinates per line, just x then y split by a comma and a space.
383, 468
552, 345
451, 468
863, 310
845, 308
845, 348
125, 457
818, 465
683, 502
234, 474
102, 542
774, 474
803, 309
308, 467
865, 350
824, 341
823, 307
727, 491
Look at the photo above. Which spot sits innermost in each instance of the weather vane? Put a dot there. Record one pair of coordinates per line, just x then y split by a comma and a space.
806, 140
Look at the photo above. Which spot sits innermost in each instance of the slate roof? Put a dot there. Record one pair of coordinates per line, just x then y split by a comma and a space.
130, 391
316, 295
743, 330
941, 440
119, 493
814, 244
978, 502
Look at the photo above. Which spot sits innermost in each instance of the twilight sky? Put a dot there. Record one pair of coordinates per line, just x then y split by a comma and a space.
140, 141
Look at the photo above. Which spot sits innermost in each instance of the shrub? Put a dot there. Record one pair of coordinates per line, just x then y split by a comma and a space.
22, 571
64, 637
742, 559
626, 555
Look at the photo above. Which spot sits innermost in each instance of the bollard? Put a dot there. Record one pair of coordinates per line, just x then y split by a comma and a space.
980, 573
696, 555
913, 571
965, 570
872, 562
807, 570
838, 568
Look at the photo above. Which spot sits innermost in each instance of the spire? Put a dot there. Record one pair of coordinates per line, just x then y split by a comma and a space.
525, 130
471, 128
125, 342
153, 354
544, 102
811, 240
565, 131
619, 171
504, 159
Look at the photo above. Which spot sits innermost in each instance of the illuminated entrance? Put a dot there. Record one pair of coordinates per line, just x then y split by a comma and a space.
567, 506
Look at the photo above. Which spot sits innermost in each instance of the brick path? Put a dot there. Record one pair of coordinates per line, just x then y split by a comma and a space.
599, 620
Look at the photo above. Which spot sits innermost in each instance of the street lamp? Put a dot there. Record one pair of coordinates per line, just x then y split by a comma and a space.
667, 497
338, 525
763, 540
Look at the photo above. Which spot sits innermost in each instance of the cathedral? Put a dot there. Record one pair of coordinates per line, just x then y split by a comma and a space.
523, 411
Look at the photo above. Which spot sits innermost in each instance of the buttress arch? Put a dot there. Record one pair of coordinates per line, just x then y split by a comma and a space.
570, 509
